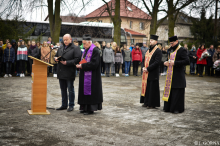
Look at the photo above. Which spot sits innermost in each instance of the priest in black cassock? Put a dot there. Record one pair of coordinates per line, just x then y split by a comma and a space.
175, 84
150, 94
90, 95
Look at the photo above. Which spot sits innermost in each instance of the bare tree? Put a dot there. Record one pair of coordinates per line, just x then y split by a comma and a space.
153, 10
116, 19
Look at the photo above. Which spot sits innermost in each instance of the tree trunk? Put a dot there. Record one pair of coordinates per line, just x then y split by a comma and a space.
153, 26
216, 21
171, 20
54, 20
117, 23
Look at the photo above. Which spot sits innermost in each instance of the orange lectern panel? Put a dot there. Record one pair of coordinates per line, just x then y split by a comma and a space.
39, 87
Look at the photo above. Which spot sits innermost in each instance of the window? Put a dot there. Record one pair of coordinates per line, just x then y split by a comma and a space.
142, 26
131, 24
100, 21
129, 9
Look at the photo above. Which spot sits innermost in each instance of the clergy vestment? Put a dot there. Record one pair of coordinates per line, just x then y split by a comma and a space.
174, 93
90, 96
151, 97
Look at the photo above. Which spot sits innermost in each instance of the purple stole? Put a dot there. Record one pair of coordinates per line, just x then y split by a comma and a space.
88, 74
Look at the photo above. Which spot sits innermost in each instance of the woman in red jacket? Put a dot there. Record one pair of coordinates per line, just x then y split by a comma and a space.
136, 58
203, 62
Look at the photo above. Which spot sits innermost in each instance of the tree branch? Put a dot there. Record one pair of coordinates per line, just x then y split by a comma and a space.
147, 7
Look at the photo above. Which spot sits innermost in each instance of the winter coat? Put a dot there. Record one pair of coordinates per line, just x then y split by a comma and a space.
216, 56
1, 54
53, 53
136, 55
164, 56
191, 54
9, 55
33, 51
199, 54
181, 60
127, 55
100, 52
108, 55
209, 59
22, 53
143, 51
45, 53
72, 54
118, 57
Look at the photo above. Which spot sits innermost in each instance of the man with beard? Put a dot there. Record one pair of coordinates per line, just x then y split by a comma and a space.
175, 84
150, 93
90, 95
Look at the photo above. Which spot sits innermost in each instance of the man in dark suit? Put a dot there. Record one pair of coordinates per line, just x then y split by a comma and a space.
67, 57
175, 84
150, 94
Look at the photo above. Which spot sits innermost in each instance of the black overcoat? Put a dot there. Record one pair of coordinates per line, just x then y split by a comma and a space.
152, 94
72, 54
154, 65
182, 59
94, 65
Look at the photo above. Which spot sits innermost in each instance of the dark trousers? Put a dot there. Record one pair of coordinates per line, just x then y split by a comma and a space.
123, 67
217, 73
197, 68
8, 67
192, 67
161, 67
117, 67
201, 68
135, 67
102, 66
55, 69
142, 65
210, 71
107, 68
22, 66
30, 64
64, 84
1, 67
12, 68
18, 66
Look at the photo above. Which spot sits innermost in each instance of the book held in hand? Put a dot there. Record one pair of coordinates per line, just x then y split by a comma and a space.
83, 61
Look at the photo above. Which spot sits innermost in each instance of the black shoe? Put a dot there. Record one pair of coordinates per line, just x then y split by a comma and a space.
200, 75
61, 108
176, 112
89, 113
70, 109
144, 105
82, 112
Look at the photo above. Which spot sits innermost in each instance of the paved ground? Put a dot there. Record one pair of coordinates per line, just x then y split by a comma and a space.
122, 122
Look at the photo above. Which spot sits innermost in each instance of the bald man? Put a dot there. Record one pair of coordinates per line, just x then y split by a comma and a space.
67, 57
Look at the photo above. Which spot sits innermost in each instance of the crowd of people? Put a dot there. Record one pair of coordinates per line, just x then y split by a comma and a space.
114, 59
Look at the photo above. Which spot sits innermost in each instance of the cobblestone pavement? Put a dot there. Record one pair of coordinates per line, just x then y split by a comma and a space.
122, 122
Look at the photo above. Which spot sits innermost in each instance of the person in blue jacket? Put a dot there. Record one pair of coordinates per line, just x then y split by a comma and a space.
9, 58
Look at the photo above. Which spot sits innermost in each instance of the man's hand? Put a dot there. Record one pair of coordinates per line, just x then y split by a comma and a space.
55, 58
172, 63
144, 69
78, 66
194, 57
166, 63
63, 62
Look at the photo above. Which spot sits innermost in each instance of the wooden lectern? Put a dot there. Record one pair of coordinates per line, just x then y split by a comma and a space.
39, 87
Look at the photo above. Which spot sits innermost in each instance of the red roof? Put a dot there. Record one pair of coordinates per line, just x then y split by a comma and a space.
134, 32
127, 9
